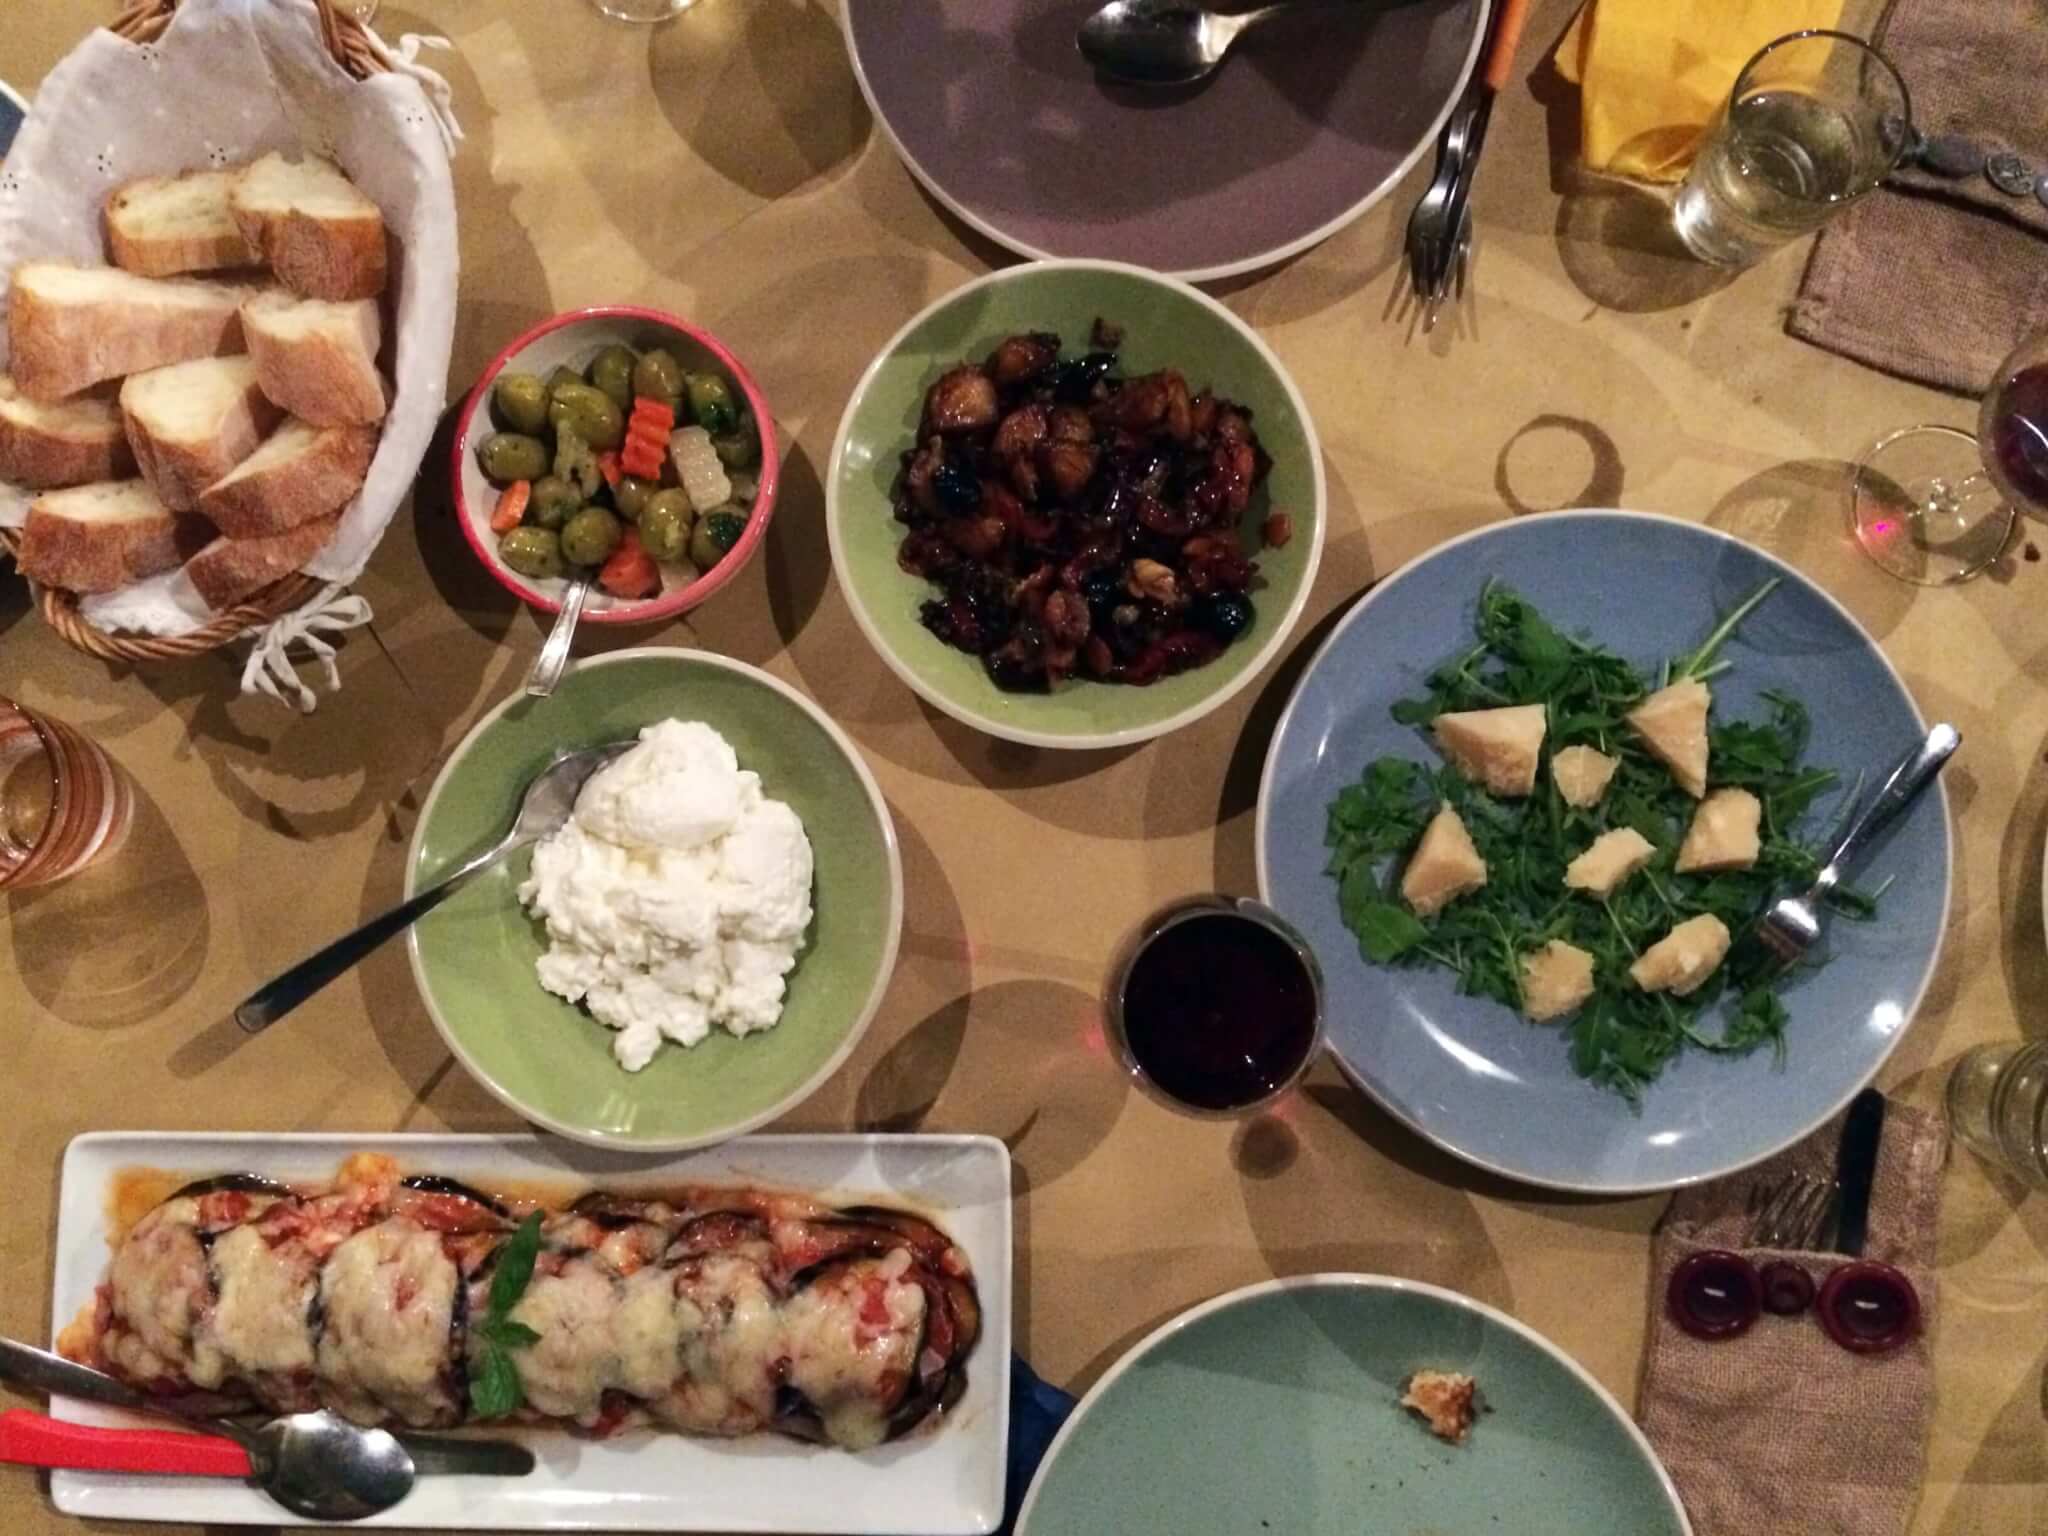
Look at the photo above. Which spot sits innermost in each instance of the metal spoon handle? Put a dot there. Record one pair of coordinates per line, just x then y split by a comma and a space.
1916, 770
269, 1003
554, 656
41, 1371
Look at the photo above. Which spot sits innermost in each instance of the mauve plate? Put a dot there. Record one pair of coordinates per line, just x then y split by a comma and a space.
1469, 1074
1311, 120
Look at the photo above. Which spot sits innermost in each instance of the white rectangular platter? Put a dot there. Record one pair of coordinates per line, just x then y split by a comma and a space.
941, 1481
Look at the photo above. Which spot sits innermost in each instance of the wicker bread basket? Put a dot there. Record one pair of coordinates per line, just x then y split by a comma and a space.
144, 22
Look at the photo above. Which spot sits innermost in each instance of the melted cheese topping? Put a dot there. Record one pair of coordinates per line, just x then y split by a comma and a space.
261, 1322
852, 1341
566, 1373
388, 1295
732, 1344
158, 1285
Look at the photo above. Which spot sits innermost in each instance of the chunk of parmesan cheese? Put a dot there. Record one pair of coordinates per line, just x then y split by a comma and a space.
1445, 866
1611, 859
1723, 834
1497, 748
1555, 979
1581, 775
1684, 958
1673, 724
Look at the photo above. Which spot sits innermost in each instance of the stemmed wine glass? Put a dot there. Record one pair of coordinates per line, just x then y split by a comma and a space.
1935, 505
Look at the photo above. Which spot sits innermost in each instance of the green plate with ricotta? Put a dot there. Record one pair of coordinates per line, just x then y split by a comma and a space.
473, 957
1166, 324
1278, 1409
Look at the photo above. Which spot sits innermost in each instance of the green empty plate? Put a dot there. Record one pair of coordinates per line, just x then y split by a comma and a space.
1277, 1409
474, 955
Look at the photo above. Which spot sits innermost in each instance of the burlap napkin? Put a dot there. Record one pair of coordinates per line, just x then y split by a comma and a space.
1781, 1429
1939, 279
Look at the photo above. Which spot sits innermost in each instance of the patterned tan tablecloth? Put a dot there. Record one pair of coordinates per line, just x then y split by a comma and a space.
725, 167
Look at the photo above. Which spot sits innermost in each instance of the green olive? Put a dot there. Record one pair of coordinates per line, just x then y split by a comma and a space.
741, 447
575, 463
631, 494
522, 403
658, 374
552, 501
711, 403
589, 413
713, 538
590, 536
562, 374
508, 456
665, 524
532, 551
612, 373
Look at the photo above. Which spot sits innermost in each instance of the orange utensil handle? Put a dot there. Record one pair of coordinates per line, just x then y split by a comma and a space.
33, 1439
1500, 57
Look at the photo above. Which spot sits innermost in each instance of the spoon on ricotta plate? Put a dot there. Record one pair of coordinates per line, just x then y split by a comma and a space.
543, 809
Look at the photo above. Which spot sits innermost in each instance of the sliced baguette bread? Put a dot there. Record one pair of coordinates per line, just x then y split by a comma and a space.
300, 473
321, 236
163, 225
190, 423
317, 358
68, 442
228, 570
70, 328
94, 538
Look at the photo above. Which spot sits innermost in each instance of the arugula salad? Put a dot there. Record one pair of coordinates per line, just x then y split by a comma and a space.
1591, 847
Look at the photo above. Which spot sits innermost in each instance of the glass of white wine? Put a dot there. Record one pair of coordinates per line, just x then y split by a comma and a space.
1815, 121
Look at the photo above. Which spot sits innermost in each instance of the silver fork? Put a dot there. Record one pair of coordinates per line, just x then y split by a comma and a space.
1791, 925
1434, 240
1791, 1214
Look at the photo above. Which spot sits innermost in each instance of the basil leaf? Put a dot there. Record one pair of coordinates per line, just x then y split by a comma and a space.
506, 1334
494, 1389
515, 1266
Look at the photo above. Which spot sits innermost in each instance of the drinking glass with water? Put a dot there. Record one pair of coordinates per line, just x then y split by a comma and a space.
1816, 120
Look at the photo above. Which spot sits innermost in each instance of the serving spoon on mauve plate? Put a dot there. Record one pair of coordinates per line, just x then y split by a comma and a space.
317, 1465
1173, 42
543, 809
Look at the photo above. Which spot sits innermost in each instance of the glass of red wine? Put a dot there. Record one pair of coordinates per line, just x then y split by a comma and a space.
1935, 505
1217, 1006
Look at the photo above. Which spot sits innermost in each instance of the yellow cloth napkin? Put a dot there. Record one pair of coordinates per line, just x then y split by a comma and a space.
1652, 74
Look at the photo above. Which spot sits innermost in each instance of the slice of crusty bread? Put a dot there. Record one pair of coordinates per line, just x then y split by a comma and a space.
301, 472
317, 358
320, 235
162, 225
191, 423
94, 538
66, 442
72, 327
228, 570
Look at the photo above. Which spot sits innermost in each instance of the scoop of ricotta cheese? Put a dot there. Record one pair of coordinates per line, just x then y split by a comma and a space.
676, 896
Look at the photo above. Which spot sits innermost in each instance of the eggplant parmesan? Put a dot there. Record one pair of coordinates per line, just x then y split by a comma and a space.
709, 1310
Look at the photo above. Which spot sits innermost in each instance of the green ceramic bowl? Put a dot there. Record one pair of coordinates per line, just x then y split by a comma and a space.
474, 955
1277, 1408
1166, 324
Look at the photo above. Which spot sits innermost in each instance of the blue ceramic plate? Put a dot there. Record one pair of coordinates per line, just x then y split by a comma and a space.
1469, 1074
1277, 1408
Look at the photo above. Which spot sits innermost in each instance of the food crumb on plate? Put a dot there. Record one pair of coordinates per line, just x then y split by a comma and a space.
1447, 1401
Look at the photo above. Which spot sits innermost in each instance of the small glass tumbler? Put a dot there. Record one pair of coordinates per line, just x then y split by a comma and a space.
1815, 121
1998, 1107
1216, 1006
63, 802
642, 10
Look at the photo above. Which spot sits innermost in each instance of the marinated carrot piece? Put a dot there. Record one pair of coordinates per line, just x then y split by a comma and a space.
610, 465
511, 507
630, 572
